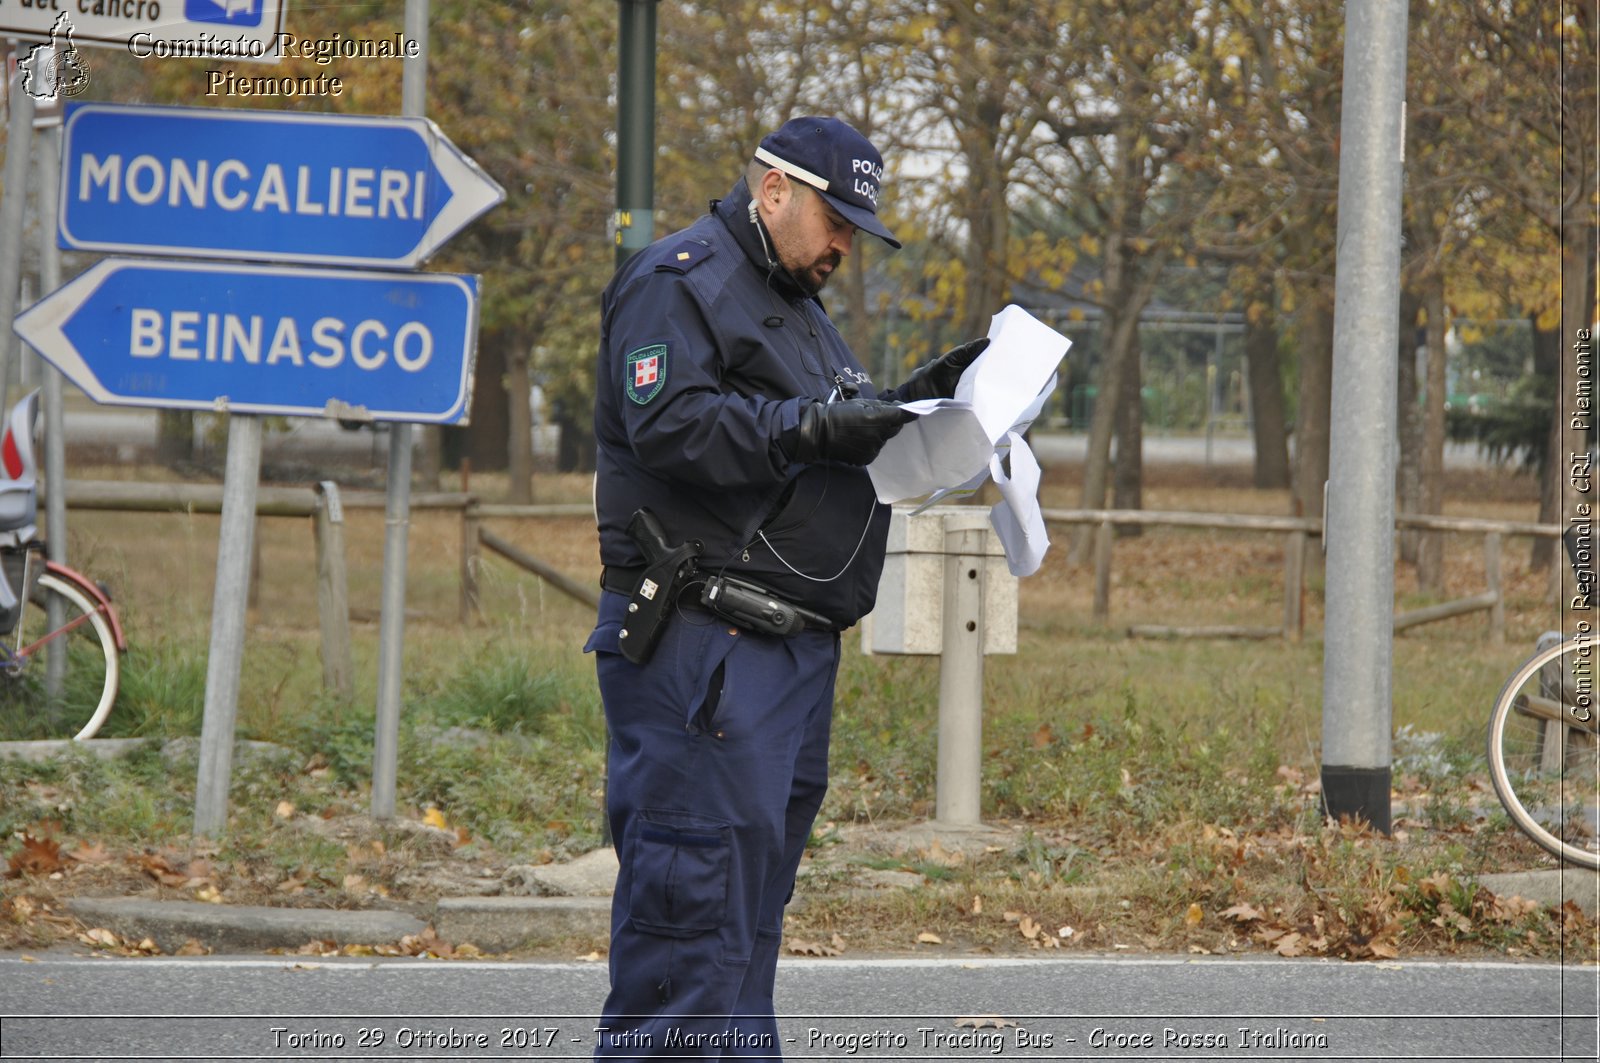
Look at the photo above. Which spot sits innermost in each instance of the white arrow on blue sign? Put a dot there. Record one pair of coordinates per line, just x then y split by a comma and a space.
348, 190
265, 340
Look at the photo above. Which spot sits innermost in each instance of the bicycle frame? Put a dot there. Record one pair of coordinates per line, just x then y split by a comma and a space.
102, 605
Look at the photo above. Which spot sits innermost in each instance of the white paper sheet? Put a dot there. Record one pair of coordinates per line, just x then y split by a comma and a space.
1016, 518
955, 443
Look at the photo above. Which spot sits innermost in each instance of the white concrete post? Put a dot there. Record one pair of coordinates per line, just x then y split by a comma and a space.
960, 760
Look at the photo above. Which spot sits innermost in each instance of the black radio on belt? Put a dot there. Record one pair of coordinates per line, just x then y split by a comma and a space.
751, 607
669, 569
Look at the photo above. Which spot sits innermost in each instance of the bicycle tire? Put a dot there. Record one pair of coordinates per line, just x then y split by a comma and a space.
90, 677
1527, 773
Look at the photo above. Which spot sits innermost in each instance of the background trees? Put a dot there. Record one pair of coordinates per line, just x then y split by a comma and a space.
1092, 158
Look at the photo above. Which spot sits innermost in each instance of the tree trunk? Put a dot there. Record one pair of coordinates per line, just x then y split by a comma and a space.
1268, 421
1101, 426
1316, 396
519, 423
1127, 490
858, 326
1577, 350
1408, 473
175, 437
430, 457
1548, 355
1430, 553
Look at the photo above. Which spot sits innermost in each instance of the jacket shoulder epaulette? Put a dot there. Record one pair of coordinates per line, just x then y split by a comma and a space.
686, 256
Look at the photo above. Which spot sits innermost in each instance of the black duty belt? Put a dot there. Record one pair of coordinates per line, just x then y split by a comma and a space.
620, 578
624, 579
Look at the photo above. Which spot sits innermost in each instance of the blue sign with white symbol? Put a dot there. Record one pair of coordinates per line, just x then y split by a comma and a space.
351, 190
232, 12
264, 340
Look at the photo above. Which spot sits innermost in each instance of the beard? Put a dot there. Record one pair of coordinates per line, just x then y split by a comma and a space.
814, 277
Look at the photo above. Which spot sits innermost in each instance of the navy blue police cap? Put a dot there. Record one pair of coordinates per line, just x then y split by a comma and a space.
841, 164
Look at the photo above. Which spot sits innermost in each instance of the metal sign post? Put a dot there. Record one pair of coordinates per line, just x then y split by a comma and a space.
19, 133
397, 505
1358, 656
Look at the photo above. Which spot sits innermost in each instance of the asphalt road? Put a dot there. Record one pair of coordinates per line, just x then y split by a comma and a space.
85, 1007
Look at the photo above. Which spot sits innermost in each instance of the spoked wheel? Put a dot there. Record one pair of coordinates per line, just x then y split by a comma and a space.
62, 686
1543, 750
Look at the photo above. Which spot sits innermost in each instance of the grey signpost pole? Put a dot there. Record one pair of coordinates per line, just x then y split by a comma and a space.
55, 443
397, 507
229, 603
1359, 647
19, 133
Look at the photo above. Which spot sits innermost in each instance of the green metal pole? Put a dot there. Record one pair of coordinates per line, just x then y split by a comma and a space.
636, 126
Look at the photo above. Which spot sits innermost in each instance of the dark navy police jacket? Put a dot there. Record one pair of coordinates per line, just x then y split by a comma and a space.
706, 355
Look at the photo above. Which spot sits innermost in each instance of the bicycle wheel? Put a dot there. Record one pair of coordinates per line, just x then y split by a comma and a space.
1542, 750
75, 701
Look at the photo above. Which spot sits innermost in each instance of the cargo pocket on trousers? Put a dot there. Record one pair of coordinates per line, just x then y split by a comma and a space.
680, 873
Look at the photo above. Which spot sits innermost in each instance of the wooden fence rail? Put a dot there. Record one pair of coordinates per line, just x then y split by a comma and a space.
325, 504
1296, 532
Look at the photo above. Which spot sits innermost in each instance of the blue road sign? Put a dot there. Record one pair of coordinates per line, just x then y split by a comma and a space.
264, 339
348, 190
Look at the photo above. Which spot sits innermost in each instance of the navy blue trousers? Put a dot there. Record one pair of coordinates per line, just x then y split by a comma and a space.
717, 766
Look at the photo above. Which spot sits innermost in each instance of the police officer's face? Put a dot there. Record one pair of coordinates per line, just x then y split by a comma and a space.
809, 236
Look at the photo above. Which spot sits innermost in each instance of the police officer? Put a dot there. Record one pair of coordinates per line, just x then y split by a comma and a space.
730, 409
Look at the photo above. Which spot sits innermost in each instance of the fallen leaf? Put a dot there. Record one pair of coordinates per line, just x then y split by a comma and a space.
192, 947
87, 853
100, 938
1290, 945
468, 951
801, 947
593, 957
434, 818
158, 868
210, 895
38, 856
838, 942
1243, 913
927, 938
1029, 928
977, 905
1195, 915
285, 810
1044, 736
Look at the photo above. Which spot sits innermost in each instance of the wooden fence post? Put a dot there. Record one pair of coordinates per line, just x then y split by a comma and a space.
1294, 572
333, 593
1102, 571
470, 560
1491, 571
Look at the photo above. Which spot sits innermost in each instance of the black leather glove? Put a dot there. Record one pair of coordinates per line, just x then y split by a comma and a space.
849, 432
938, 379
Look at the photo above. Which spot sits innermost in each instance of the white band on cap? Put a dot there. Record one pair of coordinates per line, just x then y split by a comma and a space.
819, 183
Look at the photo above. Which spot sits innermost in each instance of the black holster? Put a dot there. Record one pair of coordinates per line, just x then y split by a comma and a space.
667, 570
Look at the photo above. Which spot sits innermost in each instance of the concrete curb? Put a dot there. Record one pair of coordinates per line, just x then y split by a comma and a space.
1551, 888
493, 924
501, 924
222, 928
